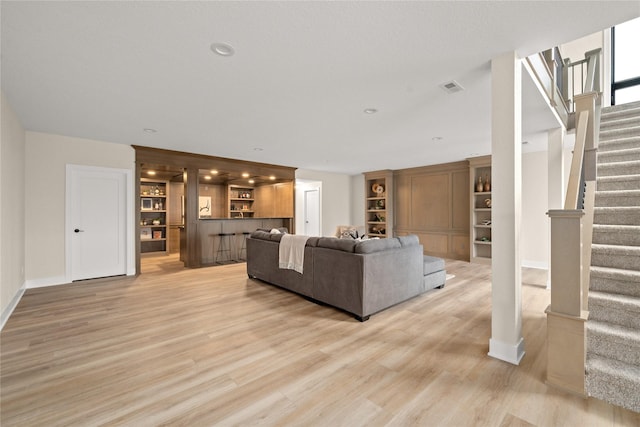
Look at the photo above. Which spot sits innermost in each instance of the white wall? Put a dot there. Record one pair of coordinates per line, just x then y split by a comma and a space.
46, 158
357, 200
12, 210
336, 198
534, 239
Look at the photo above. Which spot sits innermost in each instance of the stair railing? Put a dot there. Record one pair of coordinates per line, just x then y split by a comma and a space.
571, 236
581, 77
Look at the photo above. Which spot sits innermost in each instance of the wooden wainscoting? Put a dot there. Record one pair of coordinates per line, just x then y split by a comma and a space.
433, 203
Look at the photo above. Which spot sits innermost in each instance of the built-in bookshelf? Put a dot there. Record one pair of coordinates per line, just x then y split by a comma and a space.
379, 203
153, 216
480, 203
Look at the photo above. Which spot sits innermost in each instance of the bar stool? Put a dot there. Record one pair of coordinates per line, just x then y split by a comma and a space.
243, 246
225, 248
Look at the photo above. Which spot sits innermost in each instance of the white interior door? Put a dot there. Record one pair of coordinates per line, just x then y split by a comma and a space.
312, 212
96, 222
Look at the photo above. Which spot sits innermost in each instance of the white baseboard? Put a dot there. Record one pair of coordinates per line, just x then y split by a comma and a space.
47, 281
6, 313
508, 352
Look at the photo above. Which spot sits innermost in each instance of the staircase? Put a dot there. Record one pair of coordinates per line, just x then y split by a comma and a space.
613, 328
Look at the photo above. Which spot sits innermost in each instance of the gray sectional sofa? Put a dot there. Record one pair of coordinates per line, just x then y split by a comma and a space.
360, 277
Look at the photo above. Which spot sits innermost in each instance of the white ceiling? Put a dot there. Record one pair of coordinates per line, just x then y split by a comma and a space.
296, 88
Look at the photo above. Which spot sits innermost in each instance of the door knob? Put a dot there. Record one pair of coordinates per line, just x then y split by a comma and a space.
77, 230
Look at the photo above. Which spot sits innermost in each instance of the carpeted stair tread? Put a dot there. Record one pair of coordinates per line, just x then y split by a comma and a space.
613, 327
631, 167
617, 121
626, 235
615, 133
617, 198
616, 256
627, 308
630, 108
619, 144
613, 381
615, 280
618, 182
623, 155
620, 215
613, 341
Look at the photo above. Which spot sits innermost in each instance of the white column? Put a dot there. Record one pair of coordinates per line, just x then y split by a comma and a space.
506, 341
555, 181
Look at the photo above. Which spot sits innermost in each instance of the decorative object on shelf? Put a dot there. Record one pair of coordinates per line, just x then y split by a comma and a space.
479, 186
487, 184
378, 189
145, 233
487, 202
156, 221
146, 204
157, 234
485, 222
204, 206
380, 204
378, 230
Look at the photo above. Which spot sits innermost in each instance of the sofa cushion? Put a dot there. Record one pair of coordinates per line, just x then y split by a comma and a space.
261, 234
275, 237
312, 241
410, 240
377, 245
432, 264
345, 245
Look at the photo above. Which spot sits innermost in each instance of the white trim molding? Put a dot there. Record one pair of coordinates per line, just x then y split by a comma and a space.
12, 305
508, 352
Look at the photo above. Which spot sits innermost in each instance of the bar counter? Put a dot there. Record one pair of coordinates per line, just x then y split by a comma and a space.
210, 228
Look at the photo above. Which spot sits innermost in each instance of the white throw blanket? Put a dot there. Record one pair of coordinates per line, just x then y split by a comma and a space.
291, 253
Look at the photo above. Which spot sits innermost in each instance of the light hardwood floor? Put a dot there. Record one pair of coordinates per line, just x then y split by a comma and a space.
211, 347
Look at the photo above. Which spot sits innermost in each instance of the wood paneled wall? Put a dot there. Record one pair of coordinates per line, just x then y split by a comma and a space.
433, 203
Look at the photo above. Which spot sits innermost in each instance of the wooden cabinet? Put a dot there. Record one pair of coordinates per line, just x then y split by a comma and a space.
240, 201
379, 203
153, 216
480, 190
432, 202
274, 200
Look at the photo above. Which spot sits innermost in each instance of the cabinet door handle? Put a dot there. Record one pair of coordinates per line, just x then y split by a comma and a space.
77, 230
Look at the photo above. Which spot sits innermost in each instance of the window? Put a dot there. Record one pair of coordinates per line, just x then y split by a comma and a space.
625, 84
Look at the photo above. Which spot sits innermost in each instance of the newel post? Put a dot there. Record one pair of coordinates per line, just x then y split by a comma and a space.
566, 318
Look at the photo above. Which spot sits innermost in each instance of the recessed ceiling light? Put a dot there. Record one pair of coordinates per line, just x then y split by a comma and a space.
149, 130
258, 149
207, 177
251, 181
437, 138
213, 171
370, 111
151, 173
272, 178
222, 49
245, 175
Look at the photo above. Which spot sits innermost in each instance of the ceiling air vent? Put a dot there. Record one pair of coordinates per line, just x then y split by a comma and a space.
451, 87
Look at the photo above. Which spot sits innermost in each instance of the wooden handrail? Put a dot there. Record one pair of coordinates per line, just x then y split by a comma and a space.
575, 175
